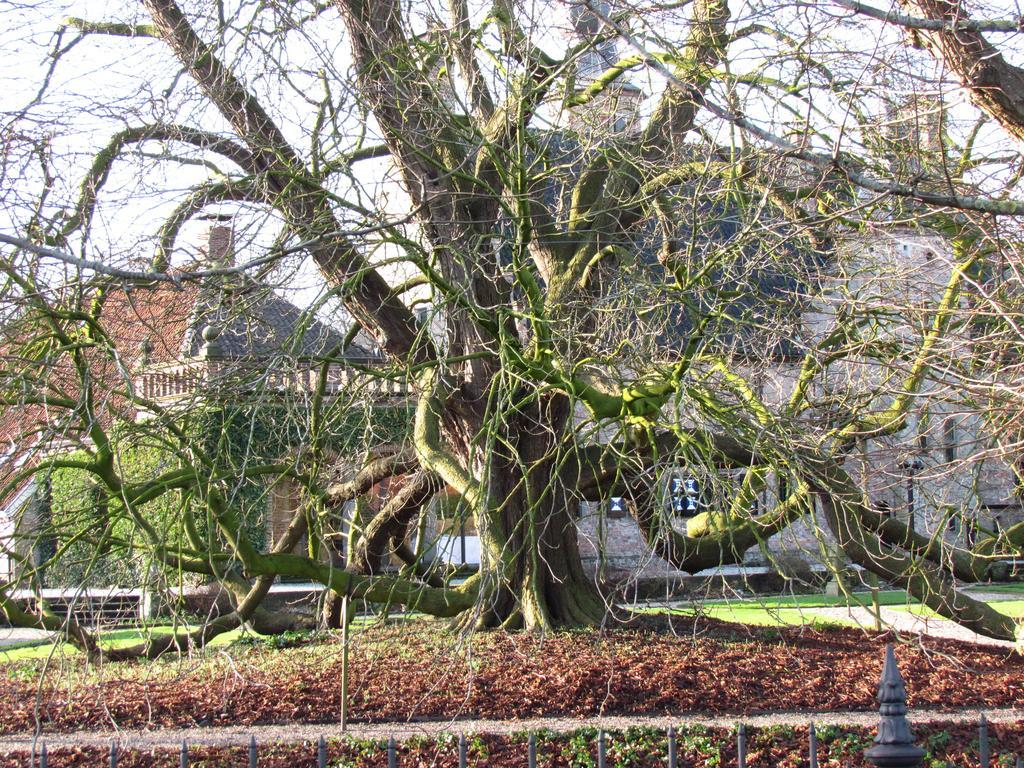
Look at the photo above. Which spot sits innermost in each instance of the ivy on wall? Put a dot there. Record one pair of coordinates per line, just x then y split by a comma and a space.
91, 540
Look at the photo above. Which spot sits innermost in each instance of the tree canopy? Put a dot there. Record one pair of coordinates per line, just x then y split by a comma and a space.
594, 242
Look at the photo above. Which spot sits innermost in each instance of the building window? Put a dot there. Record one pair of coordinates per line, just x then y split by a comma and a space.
590, 66
686, 496
617, 507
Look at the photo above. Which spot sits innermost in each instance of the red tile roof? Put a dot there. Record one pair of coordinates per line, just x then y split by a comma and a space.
130, 317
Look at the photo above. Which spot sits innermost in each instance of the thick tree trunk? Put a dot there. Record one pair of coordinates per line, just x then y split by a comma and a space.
532, 571
330, 608
540, 587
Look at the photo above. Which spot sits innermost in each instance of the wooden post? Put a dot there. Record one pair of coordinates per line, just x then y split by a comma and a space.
344, 663
876, 603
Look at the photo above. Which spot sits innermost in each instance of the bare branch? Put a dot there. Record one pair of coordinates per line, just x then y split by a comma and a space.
892, 16
114, 28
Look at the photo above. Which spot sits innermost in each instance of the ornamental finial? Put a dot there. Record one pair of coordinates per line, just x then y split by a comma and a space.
894, 744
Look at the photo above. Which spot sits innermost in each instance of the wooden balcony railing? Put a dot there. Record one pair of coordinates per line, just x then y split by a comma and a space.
173, 381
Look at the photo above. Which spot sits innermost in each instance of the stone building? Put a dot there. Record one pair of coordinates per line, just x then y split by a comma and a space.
946, 474
180, 340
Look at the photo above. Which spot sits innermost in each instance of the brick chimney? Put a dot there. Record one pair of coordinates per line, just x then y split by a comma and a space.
914, 132
218, 244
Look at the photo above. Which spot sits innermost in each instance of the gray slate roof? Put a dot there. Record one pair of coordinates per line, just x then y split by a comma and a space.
254, 322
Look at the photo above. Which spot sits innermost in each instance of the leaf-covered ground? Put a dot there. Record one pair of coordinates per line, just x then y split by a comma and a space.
946, 745
417, 672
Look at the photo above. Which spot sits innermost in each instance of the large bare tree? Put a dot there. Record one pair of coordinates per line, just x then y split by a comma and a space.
631, 264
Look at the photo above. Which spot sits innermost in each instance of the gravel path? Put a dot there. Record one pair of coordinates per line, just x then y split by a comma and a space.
227, 736
906, 622
994, 597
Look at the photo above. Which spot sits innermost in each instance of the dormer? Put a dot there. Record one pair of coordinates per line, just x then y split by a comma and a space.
615, 109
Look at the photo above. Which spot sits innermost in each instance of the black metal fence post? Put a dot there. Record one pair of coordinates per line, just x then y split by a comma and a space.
462, 750
531, 751
812, 747
600, 750
113, 754
894, 744
253, 757
672, 760
392, 753
984, 754
183, 762
741, 746
43, 758
321, 752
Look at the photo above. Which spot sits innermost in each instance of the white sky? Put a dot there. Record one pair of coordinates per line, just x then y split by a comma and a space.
106, 83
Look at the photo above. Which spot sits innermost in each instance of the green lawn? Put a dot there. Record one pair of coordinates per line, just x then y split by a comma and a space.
1014, 608
795, 610
1004, 589
886, 598
782, 610
114, 638
769, 617
121, 638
